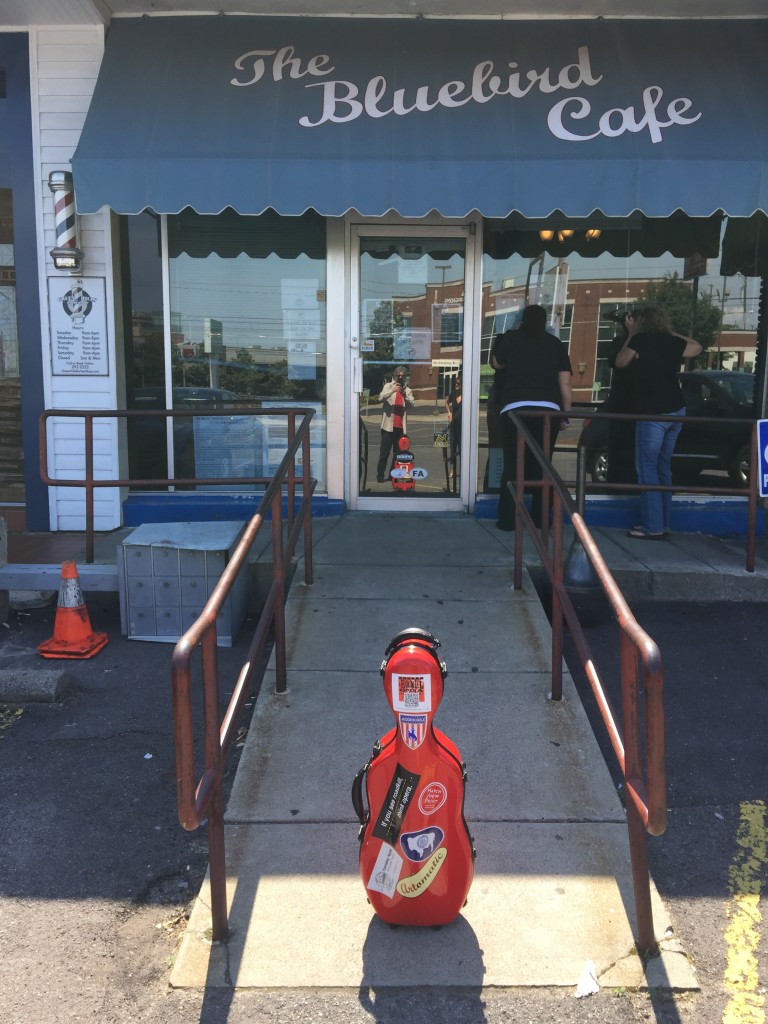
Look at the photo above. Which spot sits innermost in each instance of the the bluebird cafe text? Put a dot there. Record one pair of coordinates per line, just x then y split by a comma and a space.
571, 118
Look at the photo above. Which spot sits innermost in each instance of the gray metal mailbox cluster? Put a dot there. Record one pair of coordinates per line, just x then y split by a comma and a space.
167, 572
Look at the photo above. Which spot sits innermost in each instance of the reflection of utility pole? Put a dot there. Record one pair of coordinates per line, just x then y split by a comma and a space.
442, 267
724, 295
532, 263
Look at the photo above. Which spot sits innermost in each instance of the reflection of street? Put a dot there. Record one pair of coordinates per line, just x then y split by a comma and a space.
422, 425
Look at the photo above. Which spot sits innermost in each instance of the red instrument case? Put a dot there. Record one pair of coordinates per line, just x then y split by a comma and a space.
416, 853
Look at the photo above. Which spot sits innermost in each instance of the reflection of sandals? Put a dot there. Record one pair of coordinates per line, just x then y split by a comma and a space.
640, 534
642, 529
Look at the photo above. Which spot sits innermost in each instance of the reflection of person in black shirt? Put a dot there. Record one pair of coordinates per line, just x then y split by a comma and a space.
453, 409
537, 375
621, 433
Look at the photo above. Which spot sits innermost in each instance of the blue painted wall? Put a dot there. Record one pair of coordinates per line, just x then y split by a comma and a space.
17, 173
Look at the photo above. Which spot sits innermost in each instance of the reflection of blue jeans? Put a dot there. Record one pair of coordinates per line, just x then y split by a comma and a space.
654, 444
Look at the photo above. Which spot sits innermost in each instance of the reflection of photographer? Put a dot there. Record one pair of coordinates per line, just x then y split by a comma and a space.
621, 433
396, 398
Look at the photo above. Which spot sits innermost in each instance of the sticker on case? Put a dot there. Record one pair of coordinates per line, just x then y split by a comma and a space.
432, 797
386, 871
411, 692
415, 885
413, 729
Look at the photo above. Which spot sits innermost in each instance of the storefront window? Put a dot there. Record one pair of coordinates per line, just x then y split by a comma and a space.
11, 452
247, 328
144, 345
703, 278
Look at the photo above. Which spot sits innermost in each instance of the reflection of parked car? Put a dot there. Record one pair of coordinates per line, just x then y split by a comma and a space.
716, 394
154, 398
148, 436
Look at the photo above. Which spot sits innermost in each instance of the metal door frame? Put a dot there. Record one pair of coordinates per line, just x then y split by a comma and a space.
465, 499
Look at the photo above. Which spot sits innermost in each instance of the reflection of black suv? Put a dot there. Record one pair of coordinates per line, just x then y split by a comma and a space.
716, 394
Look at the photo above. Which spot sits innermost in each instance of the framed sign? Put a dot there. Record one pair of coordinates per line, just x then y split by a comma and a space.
78, 319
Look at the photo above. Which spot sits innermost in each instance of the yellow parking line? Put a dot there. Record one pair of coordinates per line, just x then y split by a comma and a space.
8, 716
746, 1004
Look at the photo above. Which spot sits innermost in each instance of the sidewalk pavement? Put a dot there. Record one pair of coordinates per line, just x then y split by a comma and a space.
552, 887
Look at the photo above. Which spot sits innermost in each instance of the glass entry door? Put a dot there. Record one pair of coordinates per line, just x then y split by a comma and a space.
408, 390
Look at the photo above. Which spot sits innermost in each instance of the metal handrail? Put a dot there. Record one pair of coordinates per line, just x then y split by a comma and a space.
750, 491
198, 800
644, 774
89, 483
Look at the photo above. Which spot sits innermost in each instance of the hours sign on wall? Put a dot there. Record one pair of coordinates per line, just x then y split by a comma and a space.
78, 326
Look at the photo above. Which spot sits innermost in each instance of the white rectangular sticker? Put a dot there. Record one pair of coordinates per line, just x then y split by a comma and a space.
386, 871
411, 692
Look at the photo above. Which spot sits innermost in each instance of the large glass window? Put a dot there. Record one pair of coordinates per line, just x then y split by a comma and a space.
11, 450
247, 328
703, 273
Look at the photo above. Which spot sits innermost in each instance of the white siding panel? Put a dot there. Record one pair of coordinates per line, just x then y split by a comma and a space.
69, 435
55, 102
59, 69
66, 87
63, 36
68, 446
61, 136
59, 50
74, 465
76, 398
63, 119
58, 156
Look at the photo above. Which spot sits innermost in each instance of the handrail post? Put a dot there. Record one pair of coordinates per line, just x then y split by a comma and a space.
89, 520
517, 501
633, 773
306, 488
546, 484
557, 607
216, 853
291, 500
752, 500
278, 571
217, 867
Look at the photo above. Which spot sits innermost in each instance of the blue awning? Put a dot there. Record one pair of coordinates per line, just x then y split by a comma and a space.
422, 115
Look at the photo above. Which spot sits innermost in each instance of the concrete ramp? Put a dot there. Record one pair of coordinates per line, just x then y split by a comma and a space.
552, 886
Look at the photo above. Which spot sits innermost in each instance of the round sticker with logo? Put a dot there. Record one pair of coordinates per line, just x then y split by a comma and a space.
432, 796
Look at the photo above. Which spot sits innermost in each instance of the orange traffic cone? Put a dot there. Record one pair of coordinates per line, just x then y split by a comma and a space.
72, 633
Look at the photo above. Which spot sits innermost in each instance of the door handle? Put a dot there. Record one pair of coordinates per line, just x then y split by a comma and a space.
357, 374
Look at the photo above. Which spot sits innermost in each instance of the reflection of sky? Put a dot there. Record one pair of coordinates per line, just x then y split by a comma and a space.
245, 294
739, 304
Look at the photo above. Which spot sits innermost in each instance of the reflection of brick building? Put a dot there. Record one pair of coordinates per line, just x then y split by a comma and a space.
733, 350
430, 340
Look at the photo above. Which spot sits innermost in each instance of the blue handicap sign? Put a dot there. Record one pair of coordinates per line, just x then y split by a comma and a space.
762, 456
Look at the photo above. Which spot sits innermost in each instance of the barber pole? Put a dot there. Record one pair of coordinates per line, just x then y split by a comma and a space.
66, 255
60, 183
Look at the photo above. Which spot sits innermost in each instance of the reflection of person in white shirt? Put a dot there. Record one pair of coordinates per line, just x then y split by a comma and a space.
396, 398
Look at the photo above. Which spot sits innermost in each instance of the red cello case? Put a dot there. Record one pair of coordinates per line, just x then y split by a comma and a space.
402, 467
416, 853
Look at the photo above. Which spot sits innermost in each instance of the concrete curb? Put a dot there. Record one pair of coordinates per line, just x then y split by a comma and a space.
33, 685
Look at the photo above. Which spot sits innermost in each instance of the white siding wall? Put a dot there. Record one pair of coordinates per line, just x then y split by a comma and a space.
64, 66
